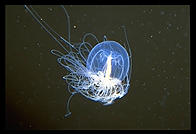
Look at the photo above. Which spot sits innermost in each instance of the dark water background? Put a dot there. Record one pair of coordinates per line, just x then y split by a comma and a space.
159, 95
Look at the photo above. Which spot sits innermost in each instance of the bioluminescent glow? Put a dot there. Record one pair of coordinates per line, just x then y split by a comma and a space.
101, 73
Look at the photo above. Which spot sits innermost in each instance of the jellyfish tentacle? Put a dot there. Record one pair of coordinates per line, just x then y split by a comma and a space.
129, 51
68, 107
104, 38
56, 52
46, 27
68, 22
89, 34
81, 50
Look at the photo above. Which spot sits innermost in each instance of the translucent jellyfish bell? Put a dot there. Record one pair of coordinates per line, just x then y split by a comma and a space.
98, 56
101, 73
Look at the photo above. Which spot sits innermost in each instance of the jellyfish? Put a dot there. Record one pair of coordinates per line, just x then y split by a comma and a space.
101, 73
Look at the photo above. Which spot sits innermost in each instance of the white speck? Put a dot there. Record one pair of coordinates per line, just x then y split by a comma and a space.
144, 83
38, 44
149, 108
17, 21
151, 36
168, 93
142, 24
178, 45
169, 24
50, 9
74, 26
162, 13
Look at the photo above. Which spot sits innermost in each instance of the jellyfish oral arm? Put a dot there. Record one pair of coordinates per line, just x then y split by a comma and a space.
106, 89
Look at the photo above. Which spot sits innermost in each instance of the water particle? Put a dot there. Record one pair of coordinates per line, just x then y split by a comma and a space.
144, 83
74, 26
50, 9
149, 108
169, 24
168, 93
17, 21
142, 24
178, 45
162, 13
38, 44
